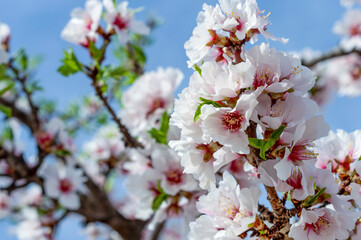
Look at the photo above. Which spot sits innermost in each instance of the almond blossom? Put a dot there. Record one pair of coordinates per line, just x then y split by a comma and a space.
4, 39
339, 149
122, 20
149, 97
228, 208
83, 24
64, 183
319, 224
227, 125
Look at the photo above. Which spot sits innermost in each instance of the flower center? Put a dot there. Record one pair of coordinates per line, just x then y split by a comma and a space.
157, 103
355, 30
65, 185
119, 22
208, 150
262, 78
89, 23
232, 121
356, 73
174, 176
301, 152
317, 227
295, 180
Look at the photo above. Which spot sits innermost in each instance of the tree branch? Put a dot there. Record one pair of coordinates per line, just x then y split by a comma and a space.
329, 55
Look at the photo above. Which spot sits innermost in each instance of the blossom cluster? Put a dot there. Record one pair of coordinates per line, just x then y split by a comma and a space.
245, 124
253, 110
84, 26
342, 73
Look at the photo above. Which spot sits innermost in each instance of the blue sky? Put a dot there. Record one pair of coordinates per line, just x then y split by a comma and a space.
36, 25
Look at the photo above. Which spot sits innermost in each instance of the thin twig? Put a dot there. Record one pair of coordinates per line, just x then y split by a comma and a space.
329, 55
158, 229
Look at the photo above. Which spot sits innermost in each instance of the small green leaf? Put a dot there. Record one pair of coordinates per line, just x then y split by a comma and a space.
162, 196
312, 199
62, 153
22, 59
256, 143
95, 52
197, 114
164, 125
277, 133
109, 184
7, 88
71, 65
198, 69
6, 110
260, 144
139, 54
7, 133
204, 101
160, 135
158, 201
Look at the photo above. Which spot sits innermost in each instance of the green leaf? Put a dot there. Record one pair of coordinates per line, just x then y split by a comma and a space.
260, 144
71, 65
164, 125
7, 133
95, 52
6, 110
62, 153
204, 101
22, 59
139, 54
117, 72
197, 114
7, 88
158, 201
263, 145
162, 196
34, 86
160, 135
277, 133
198, 69
109, 184
312, 199
256, 143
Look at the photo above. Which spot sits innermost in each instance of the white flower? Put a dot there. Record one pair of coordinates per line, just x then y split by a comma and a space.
4, 34
318, 224
341, 149
31, 226
227, 125
5, 204
217, 84
199, 46
288, 112
301, 143
4, 38
346, 74
349, 3
173, 180
149, 97
122, 20
279, 72
63, 183
231, 209
83, 24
